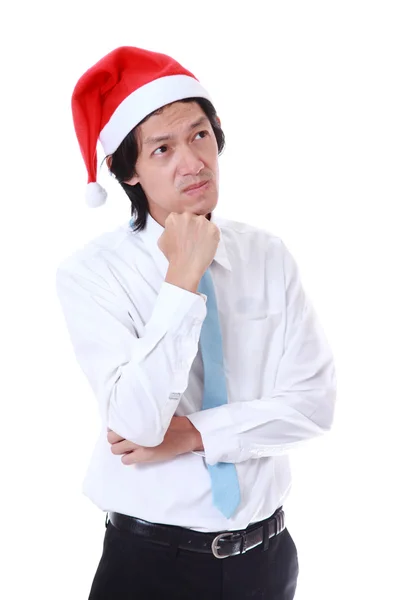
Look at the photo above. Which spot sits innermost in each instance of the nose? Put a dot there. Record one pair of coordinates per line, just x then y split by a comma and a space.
188, 162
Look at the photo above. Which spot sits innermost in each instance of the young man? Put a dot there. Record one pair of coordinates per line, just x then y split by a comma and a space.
205, 356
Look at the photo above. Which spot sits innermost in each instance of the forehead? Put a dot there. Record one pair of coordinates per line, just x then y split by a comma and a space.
175, 116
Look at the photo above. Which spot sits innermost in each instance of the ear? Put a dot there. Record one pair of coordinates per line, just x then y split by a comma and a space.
135, 179
218, 120
109, 162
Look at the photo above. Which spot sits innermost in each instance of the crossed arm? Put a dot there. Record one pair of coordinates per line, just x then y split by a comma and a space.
121, 365
181, 437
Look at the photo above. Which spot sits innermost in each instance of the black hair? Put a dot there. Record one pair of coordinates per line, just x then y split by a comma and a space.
123, 161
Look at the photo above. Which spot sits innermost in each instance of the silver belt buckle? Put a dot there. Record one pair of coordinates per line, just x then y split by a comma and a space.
214, 546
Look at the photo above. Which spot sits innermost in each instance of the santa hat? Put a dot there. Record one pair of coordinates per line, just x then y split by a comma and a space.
114, 95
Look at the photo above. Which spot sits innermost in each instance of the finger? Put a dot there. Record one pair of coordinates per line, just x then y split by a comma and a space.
123, 447
137, 456
113, 437
129, 458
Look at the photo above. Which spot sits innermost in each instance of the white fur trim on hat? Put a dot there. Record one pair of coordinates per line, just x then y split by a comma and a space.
145, 100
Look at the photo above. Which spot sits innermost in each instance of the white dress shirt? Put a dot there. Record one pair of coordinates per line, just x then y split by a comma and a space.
136, 337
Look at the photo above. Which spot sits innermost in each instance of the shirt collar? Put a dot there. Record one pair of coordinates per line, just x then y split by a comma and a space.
154, 230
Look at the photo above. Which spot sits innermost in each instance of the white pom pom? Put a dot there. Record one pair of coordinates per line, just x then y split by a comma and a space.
95, 195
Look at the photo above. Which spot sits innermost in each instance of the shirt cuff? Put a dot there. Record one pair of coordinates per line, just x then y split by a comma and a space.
220, 441
173, 304
178, 312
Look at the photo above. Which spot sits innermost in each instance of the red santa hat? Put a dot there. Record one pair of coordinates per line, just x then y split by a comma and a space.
114, 95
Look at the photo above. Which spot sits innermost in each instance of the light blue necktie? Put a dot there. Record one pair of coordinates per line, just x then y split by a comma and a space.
224, 481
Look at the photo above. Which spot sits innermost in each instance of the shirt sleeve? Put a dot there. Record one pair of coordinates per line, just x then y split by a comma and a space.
301, 405
137, 380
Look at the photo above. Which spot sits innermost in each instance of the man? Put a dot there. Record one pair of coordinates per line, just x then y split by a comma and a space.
204, 354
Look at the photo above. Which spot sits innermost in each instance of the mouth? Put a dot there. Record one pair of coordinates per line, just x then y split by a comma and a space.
197, 187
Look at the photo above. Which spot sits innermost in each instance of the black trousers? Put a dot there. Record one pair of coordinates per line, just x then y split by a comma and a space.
133, 568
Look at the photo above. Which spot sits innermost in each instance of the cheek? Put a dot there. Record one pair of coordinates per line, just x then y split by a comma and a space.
213, 165
213, 157
158, 182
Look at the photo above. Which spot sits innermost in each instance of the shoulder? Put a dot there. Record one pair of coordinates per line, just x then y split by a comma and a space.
92, 261
256, 246
246, 235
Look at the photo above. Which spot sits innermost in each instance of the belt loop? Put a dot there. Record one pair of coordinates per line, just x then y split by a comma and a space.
243, 544
277, 517
265, 543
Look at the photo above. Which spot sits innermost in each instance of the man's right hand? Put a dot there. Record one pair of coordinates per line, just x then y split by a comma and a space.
189, 243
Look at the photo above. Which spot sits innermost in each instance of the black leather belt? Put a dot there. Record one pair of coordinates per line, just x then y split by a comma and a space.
222, 544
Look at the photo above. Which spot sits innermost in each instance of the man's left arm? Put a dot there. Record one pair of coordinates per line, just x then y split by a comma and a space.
302, 404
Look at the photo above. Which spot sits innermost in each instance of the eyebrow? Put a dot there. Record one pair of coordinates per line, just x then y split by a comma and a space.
169, 136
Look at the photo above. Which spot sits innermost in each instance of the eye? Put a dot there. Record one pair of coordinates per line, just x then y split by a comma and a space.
202, 133
156, 153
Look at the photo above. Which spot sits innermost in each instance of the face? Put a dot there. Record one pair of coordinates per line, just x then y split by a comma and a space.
177, 165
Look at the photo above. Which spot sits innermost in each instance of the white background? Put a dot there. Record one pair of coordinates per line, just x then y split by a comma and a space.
305, 91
